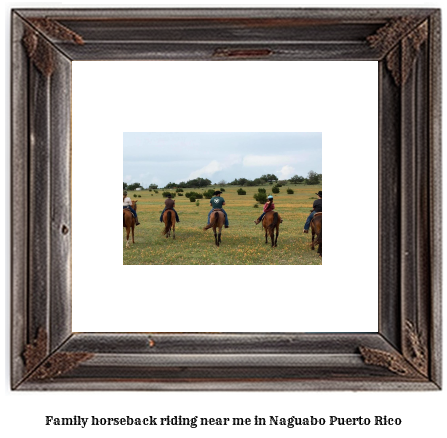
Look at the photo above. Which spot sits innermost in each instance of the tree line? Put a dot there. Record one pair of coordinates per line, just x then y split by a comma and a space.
313, 178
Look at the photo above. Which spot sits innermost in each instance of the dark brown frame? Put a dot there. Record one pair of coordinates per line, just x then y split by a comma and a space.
405, 354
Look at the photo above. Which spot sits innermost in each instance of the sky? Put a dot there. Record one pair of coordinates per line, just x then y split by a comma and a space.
160, 158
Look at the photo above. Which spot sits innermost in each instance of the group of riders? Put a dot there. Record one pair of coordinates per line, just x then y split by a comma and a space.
217, 202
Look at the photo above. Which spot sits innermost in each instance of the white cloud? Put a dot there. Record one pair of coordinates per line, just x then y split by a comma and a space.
215, 166
267, 160
286, 172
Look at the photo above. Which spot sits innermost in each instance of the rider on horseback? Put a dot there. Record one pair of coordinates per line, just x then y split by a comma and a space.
268, 206
127, 203
217, 202
316, 209
169, 205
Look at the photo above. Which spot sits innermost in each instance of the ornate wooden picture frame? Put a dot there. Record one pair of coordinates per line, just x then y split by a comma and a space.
405, 353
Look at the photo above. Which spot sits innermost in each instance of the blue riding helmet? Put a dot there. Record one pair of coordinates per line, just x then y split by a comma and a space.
270, 197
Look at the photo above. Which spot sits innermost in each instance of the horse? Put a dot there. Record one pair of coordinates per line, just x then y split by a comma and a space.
271, 221
129, 222
316, 225
169, 221
217, 220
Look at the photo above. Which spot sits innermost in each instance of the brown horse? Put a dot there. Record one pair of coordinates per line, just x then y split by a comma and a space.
271, 221
217, 220
317, 224
169, 221
129, 222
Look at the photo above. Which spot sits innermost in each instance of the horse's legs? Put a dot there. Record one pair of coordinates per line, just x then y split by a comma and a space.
219, 239
266, 240
127, 237
215, 238
173, 230
133, 237
276, 238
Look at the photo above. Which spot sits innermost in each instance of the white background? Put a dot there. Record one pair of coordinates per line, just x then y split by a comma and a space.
338, 99
423, 414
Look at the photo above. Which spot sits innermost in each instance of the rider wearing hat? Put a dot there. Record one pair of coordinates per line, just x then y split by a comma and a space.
127, 203
316, 209
169, 205
217, 202
268, 206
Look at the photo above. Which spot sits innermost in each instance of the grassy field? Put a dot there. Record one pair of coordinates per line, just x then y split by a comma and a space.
243, 243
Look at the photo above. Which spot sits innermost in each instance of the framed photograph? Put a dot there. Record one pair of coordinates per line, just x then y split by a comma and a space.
52, 351
203, 173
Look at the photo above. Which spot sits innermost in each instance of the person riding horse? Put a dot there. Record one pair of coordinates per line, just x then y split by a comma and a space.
217, 202
169, 205
316, 209
268, 206
127, 203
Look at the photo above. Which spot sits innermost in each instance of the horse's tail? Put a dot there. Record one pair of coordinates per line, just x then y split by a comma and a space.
212, 223
168, 224
319, 236
216, 221
275, 220
320, 243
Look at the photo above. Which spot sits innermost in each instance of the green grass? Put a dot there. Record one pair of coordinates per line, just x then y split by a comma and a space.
242, 244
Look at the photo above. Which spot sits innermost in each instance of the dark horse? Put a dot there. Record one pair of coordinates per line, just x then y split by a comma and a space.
271, 221
129, 222
169, 221
217, 220
316, 225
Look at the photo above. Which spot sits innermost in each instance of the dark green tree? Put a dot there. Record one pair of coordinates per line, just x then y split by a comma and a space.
269, 177
259, 181
133, 186
313, 178
198, 182
171, 185
261, 197
296, 179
